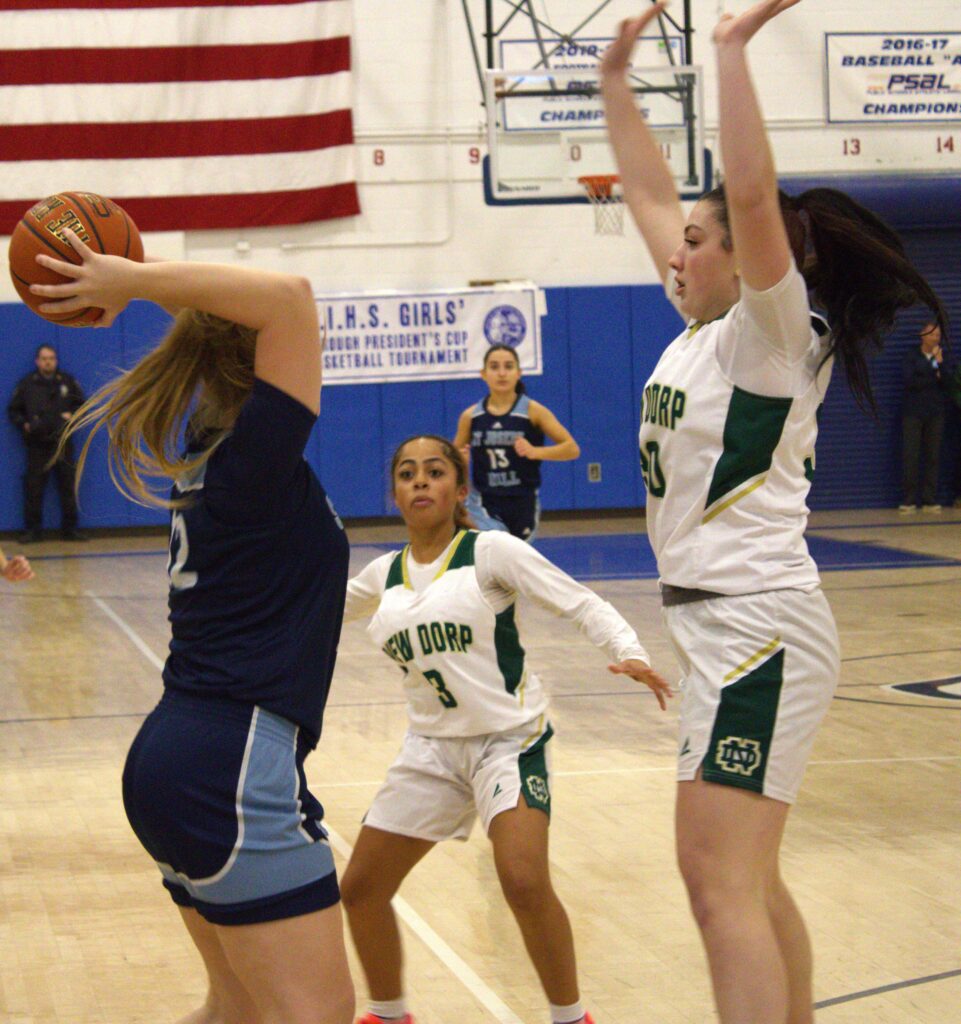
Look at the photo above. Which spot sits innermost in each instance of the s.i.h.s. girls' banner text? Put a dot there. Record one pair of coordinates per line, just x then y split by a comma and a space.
881, 77
192, 114
390, 337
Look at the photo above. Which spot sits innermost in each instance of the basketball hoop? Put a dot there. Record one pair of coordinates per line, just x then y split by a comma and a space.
608, 207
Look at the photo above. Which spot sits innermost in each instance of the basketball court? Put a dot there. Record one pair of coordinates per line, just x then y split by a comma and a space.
871, 850
503, 120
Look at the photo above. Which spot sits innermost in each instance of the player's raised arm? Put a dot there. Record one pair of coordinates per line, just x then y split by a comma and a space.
750, 182
649, 189
280, 307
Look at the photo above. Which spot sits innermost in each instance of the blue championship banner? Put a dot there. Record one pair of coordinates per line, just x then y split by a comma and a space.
393, 337
881, 77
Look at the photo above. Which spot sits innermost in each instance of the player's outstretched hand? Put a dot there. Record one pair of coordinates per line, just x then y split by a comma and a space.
618, 55
643, 673
741, 28
97, 280
17, 570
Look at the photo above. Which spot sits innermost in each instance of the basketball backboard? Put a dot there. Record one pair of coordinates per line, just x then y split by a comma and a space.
546, 129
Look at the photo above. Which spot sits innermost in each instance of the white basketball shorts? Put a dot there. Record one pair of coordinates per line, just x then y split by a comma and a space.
759, 672
438, 784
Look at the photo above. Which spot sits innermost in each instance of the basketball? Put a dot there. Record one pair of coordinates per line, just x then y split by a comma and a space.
100, 223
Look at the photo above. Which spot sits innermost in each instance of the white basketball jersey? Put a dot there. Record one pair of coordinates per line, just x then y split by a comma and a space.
727, 470
465, 671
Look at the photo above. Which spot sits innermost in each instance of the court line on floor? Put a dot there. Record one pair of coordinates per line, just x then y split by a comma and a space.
898, 654
657, 769
482, 992
458, 967
886, 988
131, 635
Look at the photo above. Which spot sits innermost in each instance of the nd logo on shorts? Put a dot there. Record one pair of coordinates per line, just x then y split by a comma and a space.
738, 756
538, 789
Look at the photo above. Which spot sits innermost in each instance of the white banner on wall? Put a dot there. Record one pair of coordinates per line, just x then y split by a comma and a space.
880, 77
562, 110
395, 337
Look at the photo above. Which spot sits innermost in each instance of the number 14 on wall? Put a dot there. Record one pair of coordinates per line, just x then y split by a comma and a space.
851, 146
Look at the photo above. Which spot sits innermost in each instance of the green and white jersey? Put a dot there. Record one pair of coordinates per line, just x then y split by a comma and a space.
728, 425
451, 627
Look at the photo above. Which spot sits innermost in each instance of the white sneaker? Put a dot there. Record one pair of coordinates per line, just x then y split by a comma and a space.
930, 508
907, 510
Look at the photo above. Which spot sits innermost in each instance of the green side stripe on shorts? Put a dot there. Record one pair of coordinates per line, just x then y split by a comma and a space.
510, 653
744, 726
752, 431
532, 764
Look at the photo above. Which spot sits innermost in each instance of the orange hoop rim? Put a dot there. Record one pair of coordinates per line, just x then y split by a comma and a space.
599, 186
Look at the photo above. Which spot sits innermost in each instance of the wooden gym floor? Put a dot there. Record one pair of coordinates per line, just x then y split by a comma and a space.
88, 936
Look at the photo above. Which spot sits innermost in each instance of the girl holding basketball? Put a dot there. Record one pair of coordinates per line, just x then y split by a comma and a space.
727, 482
504, 436
214, 784
444, 610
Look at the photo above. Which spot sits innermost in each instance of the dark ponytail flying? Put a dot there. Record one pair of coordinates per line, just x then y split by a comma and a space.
857, 272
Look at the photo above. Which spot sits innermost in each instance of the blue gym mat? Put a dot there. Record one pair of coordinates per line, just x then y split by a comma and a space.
628, 556
621, 556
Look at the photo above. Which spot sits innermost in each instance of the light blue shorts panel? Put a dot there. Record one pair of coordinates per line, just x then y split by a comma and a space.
216, 792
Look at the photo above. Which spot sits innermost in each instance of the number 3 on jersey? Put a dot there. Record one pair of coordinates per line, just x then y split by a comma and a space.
651, 469
443, 694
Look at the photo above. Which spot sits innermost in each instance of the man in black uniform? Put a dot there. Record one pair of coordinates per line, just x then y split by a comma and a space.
41, 405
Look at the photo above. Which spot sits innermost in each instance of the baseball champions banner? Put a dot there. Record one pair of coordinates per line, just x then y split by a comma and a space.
880, 77
390, 337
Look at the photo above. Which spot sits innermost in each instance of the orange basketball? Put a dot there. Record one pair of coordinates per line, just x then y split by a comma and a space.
99, 222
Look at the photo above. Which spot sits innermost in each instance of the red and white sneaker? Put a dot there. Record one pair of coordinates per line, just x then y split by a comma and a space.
372, 1018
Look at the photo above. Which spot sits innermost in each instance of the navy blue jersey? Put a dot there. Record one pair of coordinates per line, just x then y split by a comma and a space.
258, 569
495, 467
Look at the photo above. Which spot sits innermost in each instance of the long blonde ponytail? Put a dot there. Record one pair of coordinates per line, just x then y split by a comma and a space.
203, 368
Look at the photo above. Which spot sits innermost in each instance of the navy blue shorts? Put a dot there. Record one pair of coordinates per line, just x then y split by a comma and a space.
215, 791
518, 514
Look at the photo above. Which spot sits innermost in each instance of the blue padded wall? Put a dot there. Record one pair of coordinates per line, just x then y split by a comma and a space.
600, 344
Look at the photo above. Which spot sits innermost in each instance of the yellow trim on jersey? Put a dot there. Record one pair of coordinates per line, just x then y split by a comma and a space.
756, 657
536, 734
736, 497
519, 692
693, 328
454, 545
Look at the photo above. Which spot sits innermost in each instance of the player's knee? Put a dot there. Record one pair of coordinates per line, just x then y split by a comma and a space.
360, 888
525, 886
353, 890
716, 891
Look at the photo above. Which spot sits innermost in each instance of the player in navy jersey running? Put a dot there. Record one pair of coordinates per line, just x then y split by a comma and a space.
504, 437
727, 438
443, 609
214, 783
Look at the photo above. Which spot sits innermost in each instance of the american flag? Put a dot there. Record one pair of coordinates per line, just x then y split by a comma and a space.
191, 115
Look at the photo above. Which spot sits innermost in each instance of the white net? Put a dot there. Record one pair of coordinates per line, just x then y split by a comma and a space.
608, 205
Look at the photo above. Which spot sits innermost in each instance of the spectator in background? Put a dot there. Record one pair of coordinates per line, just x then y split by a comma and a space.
953, 431
41, 405
923, 420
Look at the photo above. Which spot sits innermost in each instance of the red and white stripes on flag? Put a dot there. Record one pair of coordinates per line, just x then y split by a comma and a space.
210, 114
